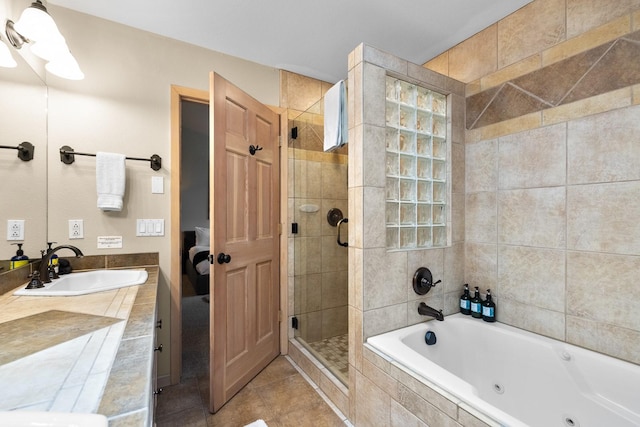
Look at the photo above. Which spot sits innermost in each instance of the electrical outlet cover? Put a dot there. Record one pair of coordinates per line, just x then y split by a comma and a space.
76, 229
15, 229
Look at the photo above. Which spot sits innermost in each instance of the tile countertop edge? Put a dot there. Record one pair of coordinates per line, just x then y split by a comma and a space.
127, 395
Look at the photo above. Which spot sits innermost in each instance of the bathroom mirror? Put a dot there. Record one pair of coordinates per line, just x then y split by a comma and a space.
23, 184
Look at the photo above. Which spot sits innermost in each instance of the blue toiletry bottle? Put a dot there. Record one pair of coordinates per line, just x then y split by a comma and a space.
489, 308
465, 301
476, 304
19, 259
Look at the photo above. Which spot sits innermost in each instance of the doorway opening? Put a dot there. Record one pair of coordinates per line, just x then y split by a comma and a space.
189, 190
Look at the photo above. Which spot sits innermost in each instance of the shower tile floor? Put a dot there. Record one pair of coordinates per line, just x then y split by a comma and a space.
334, 353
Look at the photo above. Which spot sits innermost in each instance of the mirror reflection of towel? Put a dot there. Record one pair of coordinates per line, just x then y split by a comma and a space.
110, 180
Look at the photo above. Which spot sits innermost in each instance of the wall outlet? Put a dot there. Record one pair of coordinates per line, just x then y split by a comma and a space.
76, 229
15, 229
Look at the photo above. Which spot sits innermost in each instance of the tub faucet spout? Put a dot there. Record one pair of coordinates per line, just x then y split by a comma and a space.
425, 310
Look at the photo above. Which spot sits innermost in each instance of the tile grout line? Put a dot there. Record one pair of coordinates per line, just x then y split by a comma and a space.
319, 391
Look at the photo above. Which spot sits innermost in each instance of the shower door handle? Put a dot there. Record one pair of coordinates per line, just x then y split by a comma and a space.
341, 243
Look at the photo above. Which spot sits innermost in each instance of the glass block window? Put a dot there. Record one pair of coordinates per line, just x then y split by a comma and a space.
416, 166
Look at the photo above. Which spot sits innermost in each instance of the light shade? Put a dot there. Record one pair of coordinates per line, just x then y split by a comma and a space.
50, 48
65, 66
6, 59
36, 24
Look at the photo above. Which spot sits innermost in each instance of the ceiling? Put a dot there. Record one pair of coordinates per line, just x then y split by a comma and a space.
307, 37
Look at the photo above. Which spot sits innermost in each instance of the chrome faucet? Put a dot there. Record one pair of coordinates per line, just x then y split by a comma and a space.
425, 310
46, 258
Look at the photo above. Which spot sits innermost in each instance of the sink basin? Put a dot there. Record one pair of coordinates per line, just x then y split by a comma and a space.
51, 419
88, 282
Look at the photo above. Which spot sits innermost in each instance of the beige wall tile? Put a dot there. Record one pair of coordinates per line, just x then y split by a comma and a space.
427, 77
519, 124
385, 319
605, 338
603, 217
373, 164
422, 409
458, 168
583, 15
334, 181
603, 147
334, 289
355, 339
454, 262
475, 57
308, 250
470, 417
306, 89
456, 118
481, 265
401, 417
307, 175
532, 276
337, 393
374, 84
532, 217
439, 64
379, 377
334, 257
310, 224
510, 72
481, 217
609, 301
535, 319
384, 275
308, 295
457, 217
372, 403
635, 91
534, 158
374, 217
481, 166
356, 157
433, 259
384, 60
589, 106
335, 321
355, 277
356, 211
535, 27
436, 396
586, 41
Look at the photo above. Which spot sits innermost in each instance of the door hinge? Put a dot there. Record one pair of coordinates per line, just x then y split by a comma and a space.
279, 315
294, 322
280, 228
280, 140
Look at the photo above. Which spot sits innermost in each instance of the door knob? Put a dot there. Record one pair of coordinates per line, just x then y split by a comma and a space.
223, 258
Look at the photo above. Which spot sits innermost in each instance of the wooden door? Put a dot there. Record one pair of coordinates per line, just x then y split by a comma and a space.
245, 245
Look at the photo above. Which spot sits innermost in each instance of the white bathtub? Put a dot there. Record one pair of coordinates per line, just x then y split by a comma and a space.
518, 378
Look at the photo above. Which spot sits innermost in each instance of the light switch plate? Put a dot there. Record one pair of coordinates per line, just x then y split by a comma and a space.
157, 185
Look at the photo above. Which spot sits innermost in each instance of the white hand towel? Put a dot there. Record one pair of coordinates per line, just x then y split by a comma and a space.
110, 180
335, 116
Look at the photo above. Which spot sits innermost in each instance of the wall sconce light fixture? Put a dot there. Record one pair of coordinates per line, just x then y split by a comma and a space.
37, 27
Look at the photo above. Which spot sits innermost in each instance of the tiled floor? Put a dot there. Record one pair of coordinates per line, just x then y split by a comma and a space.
334, 353
279, 395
